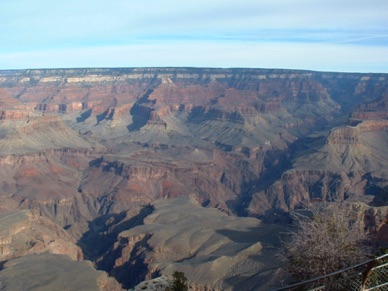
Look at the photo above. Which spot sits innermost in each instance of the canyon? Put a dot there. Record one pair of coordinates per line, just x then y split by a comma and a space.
144, 171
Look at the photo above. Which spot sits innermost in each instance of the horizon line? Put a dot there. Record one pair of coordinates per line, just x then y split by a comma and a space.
187, 67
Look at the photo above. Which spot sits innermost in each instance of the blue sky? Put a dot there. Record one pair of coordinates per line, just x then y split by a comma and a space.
328, 35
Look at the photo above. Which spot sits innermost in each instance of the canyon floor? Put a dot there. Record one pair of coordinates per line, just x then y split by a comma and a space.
112, 177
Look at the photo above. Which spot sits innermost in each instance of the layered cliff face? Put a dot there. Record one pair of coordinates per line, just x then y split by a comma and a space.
347, 162
83, 144
222, 134
140, 117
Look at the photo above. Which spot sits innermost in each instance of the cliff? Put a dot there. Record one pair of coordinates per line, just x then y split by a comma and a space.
222, 134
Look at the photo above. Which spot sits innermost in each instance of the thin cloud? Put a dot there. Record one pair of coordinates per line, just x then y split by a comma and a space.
362, 39
210, 54
54, 30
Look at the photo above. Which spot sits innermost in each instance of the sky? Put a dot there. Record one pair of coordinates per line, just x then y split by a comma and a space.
321, 35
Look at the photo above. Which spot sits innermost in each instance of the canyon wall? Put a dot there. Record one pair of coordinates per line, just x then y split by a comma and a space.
222, 134
79, 145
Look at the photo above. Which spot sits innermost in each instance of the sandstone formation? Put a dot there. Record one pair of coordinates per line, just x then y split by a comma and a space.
87, 150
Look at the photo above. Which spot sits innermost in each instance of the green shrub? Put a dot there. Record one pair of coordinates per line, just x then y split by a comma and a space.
179, 282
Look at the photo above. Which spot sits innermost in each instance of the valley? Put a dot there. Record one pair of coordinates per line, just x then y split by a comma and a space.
144, 171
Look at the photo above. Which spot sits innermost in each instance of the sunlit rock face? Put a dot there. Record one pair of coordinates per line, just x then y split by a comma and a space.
79, 145
224, 135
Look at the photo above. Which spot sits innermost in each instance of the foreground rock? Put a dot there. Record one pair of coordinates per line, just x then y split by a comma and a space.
26, 232
44, 272
213, 249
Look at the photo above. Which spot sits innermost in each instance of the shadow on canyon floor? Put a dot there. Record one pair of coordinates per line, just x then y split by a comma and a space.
103, 232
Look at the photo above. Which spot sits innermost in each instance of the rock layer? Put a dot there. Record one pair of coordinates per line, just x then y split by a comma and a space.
223, 135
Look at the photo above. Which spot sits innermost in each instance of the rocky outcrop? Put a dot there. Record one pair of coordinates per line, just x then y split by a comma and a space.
344, 135
348, 166
14, 114
300, 188
372, 110
349, 134
214, 250
138, 183
46, 272
26, 232
47, 182
215, 178
12, 109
